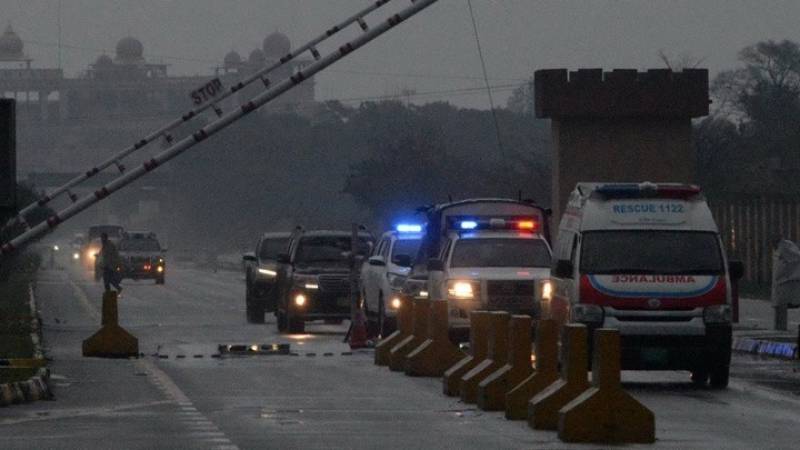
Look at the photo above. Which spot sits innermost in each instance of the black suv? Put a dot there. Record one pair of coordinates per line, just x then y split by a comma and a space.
261, 272
314, 278
142, 257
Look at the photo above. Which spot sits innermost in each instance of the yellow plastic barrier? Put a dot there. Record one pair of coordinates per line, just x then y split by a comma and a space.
384, 347
496, 358
479, 348
492, 390
543, 408
437, 353
419, 333
546, 372
112, 341
605, 413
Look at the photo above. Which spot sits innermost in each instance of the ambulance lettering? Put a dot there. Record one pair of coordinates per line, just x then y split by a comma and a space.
661, 286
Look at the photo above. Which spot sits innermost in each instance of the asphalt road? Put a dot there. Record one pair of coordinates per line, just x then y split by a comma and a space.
179, 396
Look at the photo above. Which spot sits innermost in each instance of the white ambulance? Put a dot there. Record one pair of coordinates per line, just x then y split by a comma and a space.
647, 259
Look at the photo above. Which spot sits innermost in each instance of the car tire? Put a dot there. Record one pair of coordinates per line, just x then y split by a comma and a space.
160, 280
296, 324
255, 311
720, 377
281, 321
699, 377
386, 325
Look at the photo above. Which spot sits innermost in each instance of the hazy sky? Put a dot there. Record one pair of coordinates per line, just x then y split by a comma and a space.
434, 52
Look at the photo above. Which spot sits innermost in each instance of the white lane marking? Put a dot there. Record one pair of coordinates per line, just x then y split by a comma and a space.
84, 301
174, 393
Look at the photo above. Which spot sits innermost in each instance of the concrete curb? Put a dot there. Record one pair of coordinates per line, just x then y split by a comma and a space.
37, 387
784, 350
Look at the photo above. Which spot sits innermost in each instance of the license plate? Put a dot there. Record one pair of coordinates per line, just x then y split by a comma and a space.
343, 302
656, 356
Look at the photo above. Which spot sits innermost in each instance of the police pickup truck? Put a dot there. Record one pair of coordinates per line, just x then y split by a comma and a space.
314, 278
474, 254
142, 257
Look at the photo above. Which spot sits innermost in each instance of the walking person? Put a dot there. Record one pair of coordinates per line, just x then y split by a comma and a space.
109, 262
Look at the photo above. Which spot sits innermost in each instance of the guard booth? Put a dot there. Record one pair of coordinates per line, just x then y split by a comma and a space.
785, 281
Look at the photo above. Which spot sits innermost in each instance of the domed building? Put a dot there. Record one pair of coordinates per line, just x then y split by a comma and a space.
130, 51
232, 61
276, 46
11, 47
257, 58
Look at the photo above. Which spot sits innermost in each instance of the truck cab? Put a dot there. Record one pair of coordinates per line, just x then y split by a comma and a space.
491, 263
647, 259
314, 278
444, 225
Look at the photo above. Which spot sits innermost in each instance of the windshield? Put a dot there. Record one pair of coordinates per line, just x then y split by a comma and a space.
112, 231
331, 250
650, 252
270, 248
139, 245
407, 247
500, 253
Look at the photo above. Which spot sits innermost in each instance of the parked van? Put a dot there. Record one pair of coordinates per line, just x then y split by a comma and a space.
647, 259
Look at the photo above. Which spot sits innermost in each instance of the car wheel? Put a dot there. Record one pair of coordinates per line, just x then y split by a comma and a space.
296, 324
281, 321
386, 325
160, 280
720, 377
699, 377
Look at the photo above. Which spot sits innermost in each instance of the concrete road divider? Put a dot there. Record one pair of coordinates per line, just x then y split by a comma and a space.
112, 341
437, 353
495, 359
419, 334
544, 407
6, 394
546, 372
605, 414
492, 390
479, 349
404, 319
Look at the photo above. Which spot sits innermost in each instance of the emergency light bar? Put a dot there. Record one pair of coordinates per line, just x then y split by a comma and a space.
529, 224
648, 190
408, 228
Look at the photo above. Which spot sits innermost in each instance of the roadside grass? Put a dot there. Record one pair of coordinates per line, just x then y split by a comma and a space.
15, 314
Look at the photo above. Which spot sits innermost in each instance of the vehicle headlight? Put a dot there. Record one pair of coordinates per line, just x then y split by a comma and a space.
717, 314
462, 289
76, 256
547, 290
160, 269
267, 272
587, 313
395, 280
300, 300
396, 303
306, 282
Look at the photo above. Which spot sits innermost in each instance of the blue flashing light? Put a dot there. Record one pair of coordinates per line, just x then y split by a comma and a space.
469, 225
408, 228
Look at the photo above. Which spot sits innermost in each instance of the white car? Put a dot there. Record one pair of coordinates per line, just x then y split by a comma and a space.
496, 264
384, 273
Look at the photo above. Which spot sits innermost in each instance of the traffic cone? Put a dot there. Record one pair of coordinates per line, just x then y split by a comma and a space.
358, 331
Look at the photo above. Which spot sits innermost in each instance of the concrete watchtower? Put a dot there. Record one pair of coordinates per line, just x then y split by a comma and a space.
622, 125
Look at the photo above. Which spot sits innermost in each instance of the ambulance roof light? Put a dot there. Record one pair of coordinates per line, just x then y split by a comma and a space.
469, 224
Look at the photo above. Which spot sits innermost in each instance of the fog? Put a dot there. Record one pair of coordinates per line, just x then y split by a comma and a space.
434, 52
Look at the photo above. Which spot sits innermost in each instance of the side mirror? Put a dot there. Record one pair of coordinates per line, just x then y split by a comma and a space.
736, 270
402, 260
377, 261
563, 269
283, 258
435, 265
249, 257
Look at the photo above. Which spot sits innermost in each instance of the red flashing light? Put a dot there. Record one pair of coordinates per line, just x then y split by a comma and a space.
527, 225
